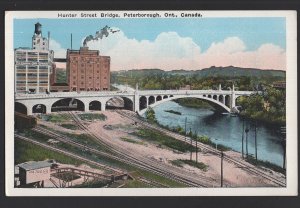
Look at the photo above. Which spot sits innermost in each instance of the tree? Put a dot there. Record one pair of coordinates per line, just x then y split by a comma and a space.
150, 115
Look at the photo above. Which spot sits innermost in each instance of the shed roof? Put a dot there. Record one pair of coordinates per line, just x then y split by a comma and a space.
32, 165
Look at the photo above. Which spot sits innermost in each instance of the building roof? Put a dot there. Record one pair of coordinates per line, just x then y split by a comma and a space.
32, 165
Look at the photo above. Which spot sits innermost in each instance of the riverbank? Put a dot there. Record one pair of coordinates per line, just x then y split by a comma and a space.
224, 130
139, 142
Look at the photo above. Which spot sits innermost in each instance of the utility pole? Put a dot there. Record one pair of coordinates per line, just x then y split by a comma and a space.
185, 129
196, 149
243, 137
247, 130
255, 137
191, 148
222, 156
283, 133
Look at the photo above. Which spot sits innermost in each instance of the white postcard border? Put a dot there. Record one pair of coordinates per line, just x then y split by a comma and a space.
291, 108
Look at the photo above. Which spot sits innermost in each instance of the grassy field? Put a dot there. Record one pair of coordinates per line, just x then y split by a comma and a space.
131, 140
266, 164
25, 151
56, 118
164, 140
193, 163
135, 184
70, 126
92, 117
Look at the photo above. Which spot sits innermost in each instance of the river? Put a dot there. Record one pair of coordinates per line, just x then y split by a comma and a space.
224, 129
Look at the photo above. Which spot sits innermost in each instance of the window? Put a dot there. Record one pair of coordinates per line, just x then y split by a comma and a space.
82, 65
104, 77
74, 83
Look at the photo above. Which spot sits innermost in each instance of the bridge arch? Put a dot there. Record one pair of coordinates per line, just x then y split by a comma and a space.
158, 98
119, 102
165, 97
227, 100
95, 105
151, 100
215, 103
21, 108
215, 97
221, 99
39, 108
143, 102
68, 104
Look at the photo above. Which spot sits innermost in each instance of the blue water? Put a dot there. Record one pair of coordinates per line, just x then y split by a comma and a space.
225, 130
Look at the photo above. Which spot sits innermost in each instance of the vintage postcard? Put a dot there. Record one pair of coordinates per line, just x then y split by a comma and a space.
151, 103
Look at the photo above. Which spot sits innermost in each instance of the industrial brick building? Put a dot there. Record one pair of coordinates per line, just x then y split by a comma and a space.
87, 70
34, 66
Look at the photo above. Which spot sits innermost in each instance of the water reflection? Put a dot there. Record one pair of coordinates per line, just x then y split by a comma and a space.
225, 130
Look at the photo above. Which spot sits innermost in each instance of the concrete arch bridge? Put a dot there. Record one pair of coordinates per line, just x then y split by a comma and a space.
137, 100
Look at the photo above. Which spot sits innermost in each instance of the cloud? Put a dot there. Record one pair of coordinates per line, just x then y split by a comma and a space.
59, 52
230, 45
171, 51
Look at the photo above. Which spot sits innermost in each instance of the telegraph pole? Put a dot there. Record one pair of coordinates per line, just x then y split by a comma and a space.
247, 130
255, 137
185, 129
191, 148
196, 152
222, 155
243, 137
283, 133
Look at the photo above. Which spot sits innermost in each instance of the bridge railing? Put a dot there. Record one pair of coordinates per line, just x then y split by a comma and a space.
124, 93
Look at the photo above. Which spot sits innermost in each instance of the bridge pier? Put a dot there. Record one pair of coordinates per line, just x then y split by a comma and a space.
86, 107
136, 101
29, 110
48, 109
103, 106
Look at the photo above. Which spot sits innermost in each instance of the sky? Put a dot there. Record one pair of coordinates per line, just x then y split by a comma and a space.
179, 43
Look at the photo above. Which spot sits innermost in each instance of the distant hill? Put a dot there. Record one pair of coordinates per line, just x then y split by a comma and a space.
231, 71
228, 71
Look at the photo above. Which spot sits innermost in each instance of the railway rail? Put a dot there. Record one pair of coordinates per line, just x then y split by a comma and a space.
120, 157
251, 169
137, 160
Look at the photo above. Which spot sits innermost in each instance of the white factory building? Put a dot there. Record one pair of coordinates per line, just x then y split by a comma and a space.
34, 66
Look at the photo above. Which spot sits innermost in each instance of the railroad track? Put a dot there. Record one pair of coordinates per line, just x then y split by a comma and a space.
251, 169
105, 154
137, 160
70, 154
67, 140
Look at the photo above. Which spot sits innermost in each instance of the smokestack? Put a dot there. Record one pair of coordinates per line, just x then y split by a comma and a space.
37, 28
71, 41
